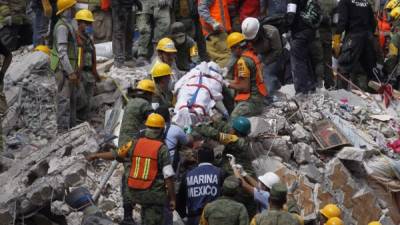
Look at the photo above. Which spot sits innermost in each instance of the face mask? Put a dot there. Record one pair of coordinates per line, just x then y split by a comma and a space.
180, 39
89, 30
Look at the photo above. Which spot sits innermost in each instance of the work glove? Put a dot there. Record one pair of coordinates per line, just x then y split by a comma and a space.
217, 27
240, 169
336, 45
163, 3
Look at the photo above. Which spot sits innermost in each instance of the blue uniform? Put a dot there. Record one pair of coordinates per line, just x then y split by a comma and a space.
202, 185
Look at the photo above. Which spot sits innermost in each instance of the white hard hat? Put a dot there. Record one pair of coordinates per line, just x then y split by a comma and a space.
269, 179
250, 28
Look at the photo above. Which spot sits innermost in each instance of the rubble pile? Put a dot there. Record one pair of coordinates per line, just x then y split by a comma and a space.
338, 174
30, 90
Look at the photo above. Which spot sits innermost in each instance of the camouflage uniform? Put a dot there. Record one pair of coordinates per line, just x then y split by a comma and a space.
163, 98
153, 199
225, 211
88, 75
238, 147
275, 217
255, 104
393, 56
161, 20
187, 54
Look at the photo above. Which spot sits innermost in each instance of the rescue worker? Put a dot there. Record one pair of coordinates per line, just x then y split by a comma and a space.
86, 63
187, 55
267, 43
323, 42
357, 20
42, 11
239, 10
247, 80
161, 74
225, 210
237, 144
153, 23
215, 24
64, 62
259, 188
150, 179
195, 191
393, 54
303, 34
3, 103
122, 32
166, 53
276, 214
327, 212
334, 221
81, 200
135, 114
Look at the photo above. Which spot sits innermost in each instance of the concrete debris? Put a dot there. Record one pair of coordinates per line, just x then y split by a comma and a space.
354, 154
302, 153
300, 134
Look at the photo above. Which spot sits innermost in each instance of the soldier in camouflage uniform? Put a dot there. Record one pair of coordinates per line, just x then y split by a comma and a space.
135, 114
152, 191
15, 30
237, 144
155, 18
86, 63
276, 215
321, 50
225, 210
247, 80
187, 55
161, 74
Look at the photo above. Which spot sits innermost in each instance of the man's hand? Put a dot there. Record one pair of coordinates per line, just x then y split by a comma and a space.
240, 169
217, 27
336, 45
172, 205
73, 78
90, 157
226, 83
236, 172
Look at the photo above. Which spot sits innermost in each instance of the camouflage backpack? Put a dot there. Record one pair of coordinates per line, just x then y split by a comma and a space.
312, 14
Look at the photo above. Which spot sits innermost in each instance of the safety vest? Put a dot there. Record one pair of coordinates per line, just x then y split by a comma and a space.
72, 47
219, 12
384, 29
144, 168
243, 96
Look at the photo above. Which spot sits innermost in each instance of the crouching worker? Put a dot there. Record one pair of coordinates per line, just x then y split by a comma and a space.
151, 174
248, 78
80, 199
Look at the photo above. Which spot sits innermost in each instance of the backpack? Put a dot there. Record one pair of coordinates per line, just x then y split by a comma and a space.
312, 14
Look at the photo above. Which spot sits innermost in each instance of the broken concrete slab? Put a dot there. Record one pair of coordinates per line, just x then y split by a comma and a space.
354, 154
300, 134
311, 172
302, 153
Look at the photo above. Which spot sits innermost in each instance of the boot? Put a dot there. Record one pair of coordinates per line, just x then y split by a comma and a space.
128, 220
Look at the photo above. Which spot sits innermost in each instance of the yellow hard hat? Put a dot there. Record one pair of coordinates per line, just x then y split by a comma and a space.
234, 38
155, 120
85, 15
161, 69
391, 4
146, 85
334, 221
330, 210
166, 45
395, 13
374, 223
63, 5
43, 48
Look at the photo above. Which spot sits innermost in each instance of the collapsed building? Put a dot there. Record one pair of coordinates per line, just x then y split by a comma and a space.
339, 145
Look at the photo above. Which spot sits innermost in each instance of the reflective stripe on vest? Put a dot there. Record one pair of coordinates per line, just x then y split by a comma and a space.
144, 168
219, 12
243, 96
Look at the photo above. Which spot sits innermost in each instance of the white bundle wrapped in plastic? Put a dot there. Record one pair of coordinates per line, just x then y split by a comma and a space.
197, 92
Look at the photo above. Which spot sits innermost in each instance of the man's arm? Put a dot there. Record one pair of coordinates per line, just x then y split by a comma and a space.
121, 153
204, 11
276, 44
168, 173
7, 60
244, 73
62, 49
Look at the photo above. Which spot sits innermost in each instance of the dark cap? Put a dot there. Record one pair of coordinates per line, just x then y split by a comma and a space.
177, 28
278, 192
231, 184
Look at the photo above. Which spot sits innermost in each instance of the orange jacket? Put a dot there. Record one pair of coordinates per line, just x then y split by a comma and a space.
144, 167
243, 96
220, 13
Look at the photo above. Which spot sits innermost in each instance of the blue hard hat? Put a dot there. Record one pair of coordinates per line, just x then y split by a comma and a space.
241, 125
